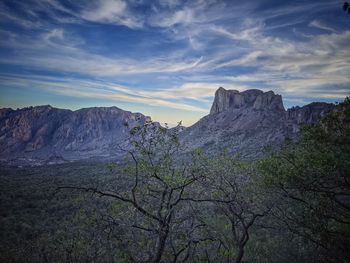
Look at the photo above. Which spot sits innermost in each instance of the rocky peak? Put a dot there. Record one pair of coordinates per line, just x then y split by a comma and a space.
308, 114
37, 132
246, 122
242, 122
229, 100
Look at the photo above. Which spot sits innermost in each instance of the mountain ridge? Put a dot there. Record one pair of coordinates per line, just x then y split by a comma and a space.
246, 122
242, 122
42, 131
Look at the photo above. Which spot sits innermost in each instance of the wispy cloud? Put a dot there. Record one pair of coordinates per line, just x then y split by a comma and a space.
320, 25
184, 16
111, 12
174, 54
200, 91
55, 50
100, 89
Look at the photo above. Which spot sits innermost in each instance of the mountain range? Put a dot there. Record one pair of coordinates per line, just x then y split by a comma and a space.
246, 122
240, 122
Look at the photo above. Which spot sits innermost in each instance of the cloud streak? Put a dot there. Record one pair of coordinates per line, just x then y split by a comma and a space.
111, 12
173, 54
100, 89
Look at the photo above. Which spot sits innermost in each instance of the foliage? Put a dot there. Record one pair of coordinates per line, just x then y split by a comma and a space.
311, 178
39, 224
161, 205
229, 186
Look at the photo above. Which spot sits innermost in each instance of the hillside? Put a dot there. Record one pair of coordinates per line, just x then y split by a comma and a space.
246, 122
241, 122
44, 132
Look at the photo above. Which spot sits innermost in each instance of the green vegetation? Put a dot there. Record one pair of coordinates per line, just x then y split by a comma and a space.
311, 180
39, 224
160, 206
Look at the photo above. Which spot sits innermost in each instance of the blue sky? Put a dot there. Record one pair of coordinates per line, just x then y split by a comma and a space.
166, 58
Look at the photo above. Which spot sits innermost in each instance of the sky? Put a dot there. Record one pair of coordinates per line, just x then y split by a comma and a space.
166, 58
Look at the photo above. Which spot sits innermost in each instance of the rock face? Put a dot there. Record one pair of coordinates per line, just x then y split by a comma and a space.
246, 122
240, 122
308, 114
230, 100
44, 132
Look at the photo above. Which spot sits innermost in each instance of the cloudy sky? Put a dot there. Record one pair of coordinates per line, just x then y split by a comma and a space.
166, 58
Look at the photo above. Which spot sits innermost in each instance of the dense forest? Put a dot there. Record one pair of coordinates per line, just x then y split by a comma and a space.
160, 205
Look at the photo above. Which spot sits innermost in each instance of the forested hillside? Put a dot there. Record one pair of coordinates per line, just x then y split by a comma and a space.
290, 206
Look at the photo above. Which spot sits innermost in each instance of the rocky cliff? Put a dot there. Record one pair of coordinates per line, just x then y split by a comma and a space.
240, 122
246, 122
42, 132
230, 100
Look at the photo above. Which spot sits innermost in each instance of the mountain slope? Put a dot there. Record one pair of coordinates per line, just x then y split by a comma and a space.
43, 131
245, 122
241, 122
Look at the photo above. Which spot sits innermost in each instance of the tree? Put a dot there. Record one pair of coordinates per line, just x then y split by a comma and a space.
311, 177
151, 217
229, 185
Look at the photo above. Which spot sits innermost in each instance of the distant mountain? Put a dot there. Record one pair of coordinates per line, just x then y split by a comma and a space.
47, 133
245, 122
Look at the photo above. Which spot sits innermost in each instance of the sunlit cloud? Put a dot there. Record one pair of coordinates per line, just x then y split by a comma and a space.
111, 12
174, 55
103, 90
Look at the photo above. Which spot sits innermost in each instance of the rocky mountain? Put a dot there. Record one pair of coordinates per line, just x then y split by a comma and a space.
246, 122
47, 133
241, 122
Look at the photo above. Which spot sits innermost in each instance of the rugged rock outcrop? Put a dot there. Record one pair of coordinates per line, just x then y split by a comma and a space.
43, 132
308, 114
230, 100
246, 122
241, 122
